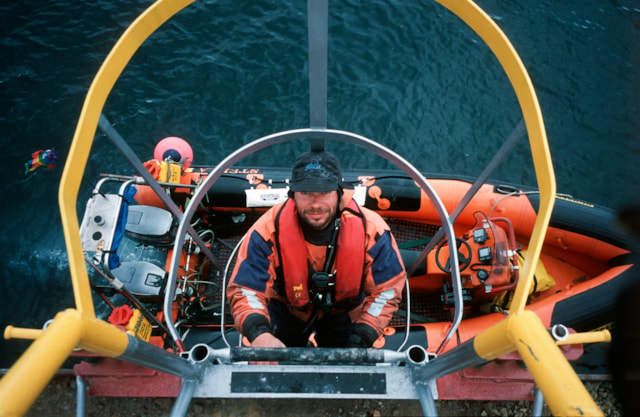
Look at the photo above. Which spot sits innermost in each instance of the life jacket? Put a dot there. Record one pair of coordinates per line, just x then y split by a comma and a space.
169, 172
164, 171
294, 266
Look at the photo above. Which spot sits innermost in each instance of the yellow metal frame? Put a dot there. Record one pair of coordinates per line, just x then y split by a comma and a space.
134, 36
522, 330
70, 329
499, 44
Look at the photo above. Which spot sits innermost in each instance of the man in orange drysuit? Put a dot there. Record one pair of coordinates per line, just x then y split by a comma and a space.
289, 282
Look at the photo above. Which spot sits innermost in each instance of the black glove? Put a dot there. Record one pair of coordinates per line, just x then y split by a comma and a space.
363, 336
355, 341
254, 325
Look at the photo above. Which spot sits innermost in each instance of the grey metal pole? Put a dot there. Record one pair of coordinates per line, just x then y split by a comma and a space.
317, 29
414, 355
151, 356
456, 359
181, 406
538, 402
426, 399
81, 396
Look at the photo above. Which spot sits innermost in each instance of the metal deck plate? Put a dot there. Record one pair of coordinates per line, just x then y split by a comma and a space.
296, 381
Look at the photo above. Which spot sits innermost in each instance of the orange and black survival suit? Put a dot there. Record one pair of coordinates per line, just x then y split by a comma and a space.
288, 282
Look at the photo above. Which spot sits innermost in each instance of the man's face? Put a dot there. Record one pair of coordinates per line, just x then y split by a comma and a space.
317, 209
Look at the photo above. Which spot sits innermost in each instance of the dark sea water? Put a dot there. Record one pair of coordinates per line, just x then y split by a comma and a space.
223, 73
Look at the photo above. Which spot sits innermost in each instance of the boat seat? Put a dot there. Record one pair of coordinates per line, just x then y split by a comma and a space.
150, 225
142, 278
408, 258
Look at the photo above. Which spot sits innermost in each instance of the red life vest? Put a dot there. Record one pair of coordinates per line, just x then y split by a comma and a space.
349, 261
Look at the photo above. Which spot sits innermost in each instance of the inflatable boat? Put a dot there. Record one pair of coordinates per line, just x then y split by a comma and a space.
505, 284
585, 256
585, 262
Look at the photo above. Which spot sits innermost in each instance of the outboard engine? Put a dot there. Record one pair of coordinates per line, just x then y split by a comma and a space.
128, 242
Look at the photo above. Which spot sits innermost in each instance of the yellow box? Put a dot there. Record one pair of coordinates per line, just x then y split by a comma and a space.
139, 326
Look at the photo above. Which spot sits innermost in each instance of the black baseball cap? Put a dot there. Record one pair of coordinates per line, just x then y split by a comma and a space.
316, 172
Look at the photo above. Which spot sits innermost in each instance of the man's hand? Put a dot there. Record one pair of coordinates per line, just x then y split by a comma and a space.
266, 340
